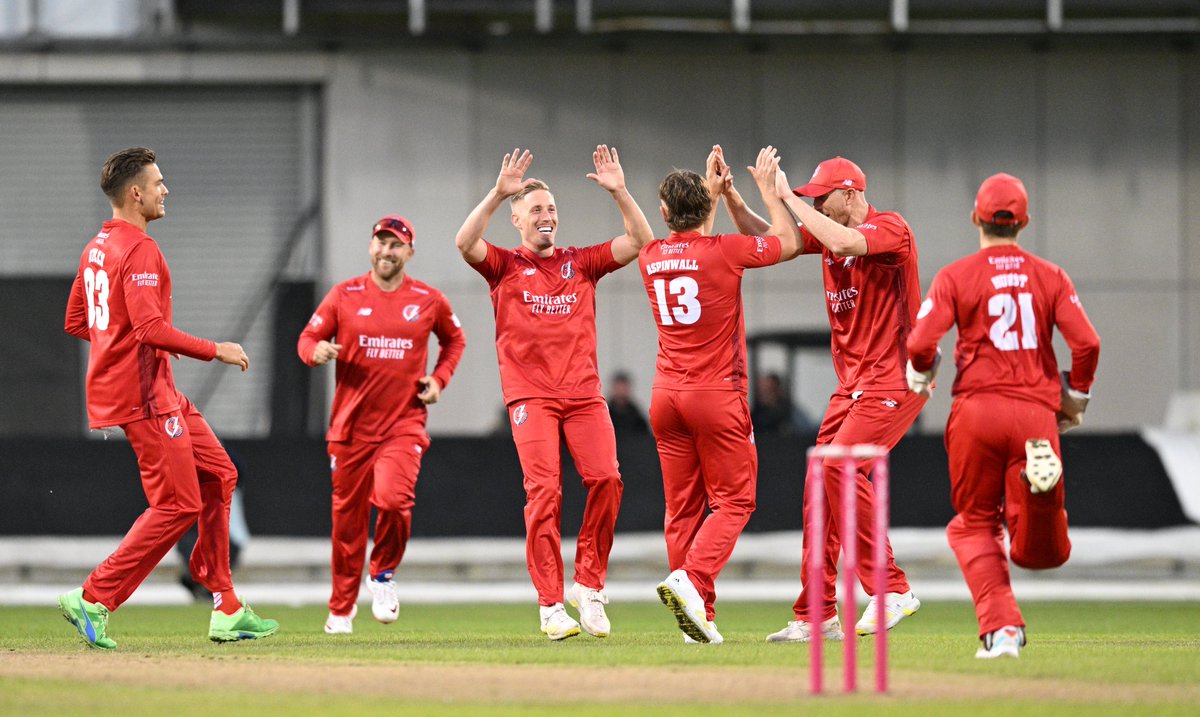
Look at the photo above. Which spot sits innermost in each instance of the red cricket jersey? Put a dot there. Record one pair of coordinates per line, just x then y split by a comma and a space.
1006, 303
872, 303
121, 303
384, 337
546, 318
695, 287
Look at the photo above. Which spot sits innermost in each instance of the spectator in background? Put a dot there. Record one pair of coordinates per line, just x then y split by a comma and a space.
627, 415
773, 410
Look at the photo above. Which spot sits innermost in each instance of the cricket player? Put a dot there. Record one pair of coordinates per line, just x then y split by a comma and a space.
699, 413
1009, 404
377, 327
120, 302
544, 298
869, 267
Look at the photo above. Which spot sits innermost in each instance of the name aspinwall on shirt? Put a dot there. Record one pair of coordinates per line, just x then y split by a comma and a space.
672, 265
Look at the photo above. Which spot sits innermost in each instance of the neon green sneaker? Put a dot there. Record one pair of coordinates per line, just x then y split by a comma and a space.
89, 618
241, 625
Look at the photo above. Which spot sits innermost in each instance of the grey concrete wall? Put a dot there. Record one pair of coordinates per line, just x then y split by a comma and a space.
1105, 141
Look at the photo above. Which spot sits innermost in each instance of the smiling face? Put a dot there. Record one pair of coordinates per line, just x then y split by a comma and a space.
536, 218
388, 256
149, 192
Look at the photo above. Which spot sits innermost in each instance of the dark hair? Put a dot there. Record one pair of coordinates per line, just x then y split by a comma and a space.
122, 168
1006, 230
687, 199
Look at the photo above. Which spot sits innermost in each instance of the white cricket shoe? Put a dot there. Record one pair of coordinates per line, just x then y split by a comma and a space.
385, 601
590, 604
1042, 467
716, 639
1005, 642
556, 623
340, 624
801, 631
898, 607
682, 599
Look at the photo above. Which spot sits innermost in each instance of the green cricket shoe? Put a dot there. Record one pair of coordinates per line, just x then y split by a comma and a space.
89, 618
241, 625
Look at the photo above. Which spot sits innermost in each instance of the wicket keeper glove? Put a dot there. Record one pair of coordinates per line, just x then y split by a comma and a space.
921, 382
1074, 403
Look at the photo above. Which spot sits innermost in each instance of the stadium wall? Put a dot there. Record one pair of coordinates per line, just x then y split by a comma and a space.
1107, 138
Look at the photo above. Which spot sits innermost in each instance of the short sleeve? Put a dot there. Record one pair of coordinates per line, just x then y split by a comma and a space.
748, 252
597, 260
494, 265
888, 238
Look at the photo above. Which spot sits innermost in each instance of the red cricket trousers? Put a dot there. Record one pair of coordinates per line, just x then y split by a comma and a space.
186, 476
985, 440
709, 461
877, 417
538, 426
366, 474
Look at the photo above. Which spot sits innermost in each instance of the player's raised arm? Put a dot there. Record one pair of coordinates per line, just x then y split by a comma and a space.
611, 177
510, 181
716, 176
744, 218
766, 175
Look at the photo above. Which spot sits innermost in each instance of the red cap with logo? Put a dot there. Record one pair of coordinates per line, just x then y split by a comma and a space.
836, 173
1002, 193
397, 226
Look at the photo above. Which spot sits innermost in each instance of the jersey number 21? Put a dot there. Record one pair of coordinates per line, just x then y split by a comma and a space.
1005, 307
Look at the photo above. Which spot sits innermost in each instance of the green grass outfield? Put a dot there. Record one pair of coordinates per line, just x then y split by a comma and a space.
1127, 659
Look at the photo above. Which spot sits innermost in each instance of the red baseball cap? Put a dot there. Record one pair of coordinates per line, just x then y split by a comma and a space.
397, 226
836, 173
1002, 193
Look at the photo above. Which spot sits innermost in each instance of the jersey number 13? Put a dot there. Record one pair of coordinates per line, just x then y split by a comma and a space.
685, 291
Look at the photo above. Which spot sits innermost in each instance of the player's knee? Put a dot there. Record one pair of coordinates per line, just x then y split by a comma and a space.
185, 512
542, 496
605, 482
1045, 559
397, 503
